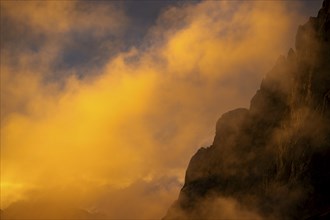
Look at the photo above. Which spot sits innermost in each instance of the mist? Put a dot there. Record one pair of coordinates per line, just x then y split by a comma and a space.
113, 140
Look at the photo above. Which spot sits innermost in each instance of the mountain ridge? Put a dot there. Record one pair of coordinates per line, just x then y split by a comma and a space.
272, 159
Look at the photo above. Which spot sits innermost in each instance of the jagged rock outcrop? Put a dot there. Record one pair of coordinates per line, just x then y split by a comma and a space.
272, 159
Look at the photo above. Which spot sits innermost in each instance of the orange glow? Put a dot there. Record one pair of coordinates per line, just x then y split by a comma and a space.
131, 126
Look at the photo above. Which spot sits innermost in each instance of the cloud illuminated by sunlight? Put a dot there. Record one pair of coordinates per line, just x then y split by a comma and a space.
134, 122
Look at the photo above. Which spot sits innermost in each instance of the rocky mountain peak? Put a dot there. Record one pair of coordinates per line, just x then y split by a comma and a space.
271, 160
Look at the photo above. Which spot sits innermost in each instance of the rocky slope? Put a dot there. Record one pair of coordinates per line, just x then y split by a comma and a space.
271, 161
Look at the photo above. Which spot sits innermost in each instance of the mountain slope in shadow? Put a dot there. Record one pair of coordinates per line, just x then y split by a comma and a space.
271, 161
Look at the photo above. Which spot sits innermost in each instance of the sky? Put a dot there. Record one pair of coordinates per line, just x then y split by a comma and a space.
104, 103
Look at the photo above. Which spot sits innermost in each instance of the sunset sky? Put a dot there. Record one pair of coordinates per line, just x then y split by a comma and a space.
104, 103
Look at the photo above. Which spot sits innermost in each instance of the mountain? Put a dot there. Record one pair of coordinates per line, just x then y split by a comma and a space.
271, 161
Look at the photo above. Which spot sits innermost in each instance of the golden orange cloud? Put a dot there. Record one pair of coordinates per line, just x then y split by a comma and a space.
135, 123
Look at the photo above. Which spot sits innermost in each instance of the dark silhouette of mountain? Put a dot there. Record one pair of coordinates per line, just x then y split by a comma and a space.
271, 161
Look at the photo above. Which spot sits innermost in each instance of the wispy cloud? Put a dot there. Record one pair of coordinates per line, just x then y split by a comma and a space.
136, 120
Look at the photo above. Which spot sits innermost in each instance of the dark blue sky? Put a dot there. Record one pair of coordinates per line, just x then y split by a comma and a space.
143, 15
126, 125
87, 51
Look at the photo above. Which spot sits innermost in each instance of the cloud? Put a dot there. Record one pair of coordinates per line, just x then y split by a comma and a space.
105, 202
216, 207
139, 116
61, 17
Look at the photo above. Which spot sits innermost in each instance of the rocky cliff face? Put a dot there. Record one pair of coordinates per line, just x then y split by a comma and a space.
271, 161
